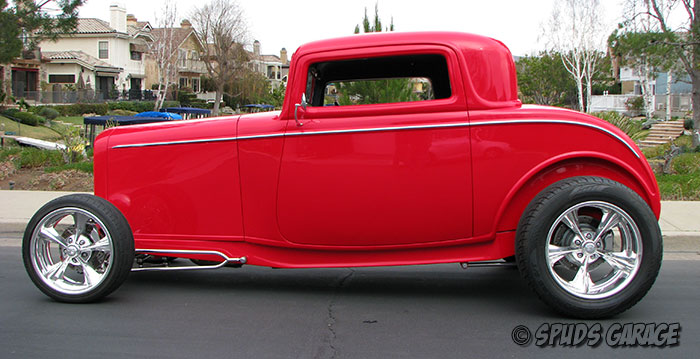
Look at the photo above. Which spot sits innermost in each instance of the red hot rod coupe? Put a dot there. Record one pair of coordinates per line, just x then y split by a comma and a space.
390, 149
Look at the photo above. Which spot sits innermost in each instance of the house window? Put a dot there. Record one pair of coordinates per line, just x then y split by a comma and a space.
182, 57
103, 49
135, 55
61, 79
183, 82
195, 85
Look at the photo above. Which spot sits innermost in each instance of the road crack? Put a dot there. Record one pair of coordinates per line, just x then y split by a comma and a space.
331, 335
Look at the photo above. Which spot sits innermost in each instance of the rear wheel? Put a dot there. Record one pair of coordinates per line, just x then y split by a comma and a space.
589, 247
78, 248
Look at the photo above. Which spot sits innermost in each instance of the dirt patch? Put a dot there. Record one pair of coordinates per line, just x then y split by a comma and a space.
37, 179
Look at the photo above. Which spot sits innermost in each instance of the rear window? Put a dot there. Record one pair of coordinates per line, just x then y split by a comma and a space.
376, 80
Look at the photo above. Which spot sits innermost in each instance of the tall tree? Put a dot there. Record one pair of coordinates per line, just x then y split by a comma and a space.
221, 26
666, 42
28, 22
544, 80
575, 31
375, 91
374, 26
163, 50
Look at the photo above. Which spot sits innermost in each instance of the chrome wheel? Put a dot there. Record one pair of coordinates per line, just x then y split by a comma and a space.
594, 250
71, 250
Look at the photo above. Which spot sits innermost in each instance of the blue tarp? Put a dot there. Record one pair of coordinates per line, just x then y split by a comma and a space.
260, 106
168, 115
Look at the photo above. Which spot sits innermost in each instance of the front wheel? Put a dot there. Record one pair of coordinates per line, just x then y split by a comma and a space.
78, 248
589, 247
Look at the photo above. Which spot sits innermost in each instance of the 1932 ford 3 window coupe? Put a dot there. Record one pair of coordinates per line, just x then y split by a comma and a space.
390, 149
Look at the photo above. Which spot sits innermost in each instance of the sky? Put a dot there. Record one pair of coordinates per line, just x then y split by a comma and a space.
291, 23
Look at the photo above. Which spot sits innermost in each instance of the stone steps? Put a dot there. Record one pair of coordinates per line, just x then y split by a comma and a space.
662, 133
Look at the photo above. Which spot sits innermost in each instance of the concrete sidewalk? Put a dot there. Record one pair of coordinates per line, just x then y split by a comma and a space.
678, 218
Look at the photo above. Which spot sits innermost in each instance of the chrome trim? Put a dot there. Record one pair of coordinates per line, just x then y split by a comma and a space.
165, 143
497, 263
378, 129
226, 259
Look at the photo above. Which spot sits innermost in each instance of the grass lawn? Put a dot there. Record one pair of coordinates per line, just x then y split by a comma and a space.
684, 183
76, 120
39, 132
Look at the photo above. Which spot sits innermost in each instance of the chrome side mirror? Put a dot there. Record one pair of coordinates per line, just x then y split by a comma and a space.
296, 107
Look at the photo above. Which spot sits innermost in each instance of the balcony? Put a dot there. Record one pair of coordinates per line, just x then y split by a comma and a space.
194, 66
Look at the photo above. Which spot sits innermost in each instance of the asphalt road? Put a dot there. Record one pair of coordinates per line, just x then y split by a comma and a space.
436, 311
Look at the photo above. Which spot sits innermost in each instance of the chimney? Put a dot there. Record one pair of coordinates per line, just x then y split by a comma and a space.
131, 19
117, 18
256, 48
283, 56
185, 24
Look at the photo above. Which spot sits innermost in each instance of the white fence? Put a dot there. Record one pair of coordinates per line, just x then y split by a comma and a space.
681, 104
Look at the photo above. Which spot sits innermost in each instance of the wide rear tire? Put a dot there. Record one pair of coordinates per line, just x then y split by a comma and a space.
589, 247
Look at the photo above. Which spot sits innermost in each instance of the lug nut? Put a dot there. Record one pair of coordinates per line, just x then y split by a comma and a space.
577, 242
580, 255
589, 236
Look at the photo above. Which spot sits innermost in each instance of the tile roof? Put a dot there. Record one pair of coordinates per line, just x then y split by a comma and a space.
93, 26
75, 55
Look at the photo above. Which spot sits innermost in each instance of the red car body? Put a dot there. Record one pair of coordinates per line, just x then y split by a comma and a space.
437, 181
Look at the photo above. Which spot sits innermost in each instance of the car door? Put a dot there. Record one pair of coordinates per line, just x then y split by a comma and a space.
377, 174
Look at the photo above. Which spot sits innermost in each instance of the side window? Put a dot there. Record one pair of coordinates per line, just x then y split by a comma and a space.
390, 79
103, 47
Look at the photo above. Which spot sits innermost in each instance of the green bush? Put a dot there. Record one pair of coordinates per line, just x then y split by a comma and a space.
6, 152
688, 124
26, 118
49, 113
136, 106
635, 104
34, 157
121, 113
80, 109
631, 127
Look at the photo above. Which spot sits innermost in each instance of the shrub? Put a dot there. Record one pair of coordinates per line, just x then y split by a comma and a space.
26, 118
121, 113
34, 157
49, 113
80, 109
688, 124
635, 104
627, 125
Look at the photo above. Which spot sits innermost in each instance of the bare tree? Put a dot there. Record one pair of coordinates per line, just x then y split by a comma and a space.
680, 43
576, 32
630, 46
163, 50
221, 26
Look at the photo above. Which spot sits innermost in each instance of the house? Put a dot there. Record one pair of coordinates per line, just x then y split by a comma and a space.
679, 98
187, 54
108, 56
20, 77
274, 68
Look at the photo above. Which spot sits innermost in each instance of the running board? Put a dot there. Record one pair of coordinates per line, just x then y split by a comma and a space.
169, 252
498, 263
